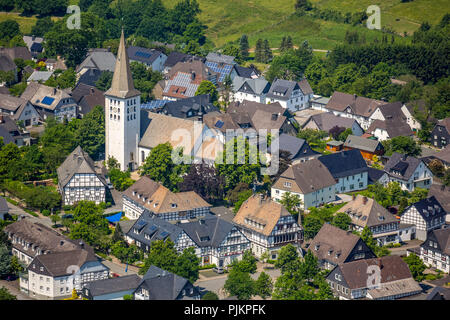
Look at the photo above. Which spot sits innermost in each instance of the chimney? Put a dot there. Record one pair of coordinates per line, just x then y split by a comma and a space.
92, 90
54, 91
364, 200
81, 244
61, 242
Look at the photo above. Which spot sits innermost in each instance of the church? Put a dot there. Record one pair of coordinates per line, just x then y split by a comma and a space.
131, 132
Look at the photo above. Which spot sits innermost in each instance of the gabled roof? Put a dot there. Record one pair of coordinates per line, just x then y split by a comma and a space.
251, 107
393, 126
442, 194
291, 144
245, 72
374, 175
158, 199
122, 84
361, 106
445, 123
442, 237
220, 58
90, 77
392, 268
200, 104
174, 57
401, 166
113, 285
428, 208
44, 96
439, 293
151, 229
11, 103
16, 53
57, 264
369, 214
143, 54
355, 142
100, 59
208, 232
305, 87
3, 205
162, 284
258, 86
262, 210
77, 162
344, 163
282, 89
40, 76
327, 120
309, 176
331, 239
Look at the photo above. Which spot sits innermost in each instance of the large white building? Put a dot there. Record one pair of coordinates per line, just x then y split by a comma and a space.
122, 114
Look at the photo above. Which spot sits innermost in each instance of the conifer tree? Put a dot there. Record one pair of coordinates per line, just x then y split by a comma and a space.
243, 47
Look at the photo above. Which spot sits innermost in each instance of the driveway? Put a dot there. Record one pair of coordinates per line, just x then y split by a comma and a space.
401, 251
17, 211
119, 268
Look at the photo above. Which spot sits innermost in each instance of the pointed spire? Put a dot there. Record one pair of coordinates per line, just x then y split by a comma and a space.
122, 85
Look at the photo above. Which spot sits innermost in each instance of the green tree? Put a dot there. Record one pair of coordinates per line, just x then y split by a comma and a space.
247, 264
242, 197
291, 202
259, 51
210, 295
287, 259
104, 81
309, 268
341, 220
9, 29
55, 218
416, 266
264, 285
403, 145
90, 135
207, 87
42, 26
243, 47
240, 284
187, 265
6, 295
311, 226
5, 260
162, 254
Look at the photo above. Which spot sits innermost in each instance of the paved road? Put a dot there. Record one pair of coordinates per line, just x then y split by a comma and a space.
119, 268
15, 210
13, 288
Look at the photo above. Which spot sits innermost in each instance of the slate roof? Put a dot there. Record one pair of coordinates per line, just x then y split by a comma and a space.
158, 199
208, 232
305, 87
405, 165
442, 194
374, 175
16, 53
174, 57
78, 161
331, 238
327, 120
56, 264
262, 210
113, 285
392, 268
100, 59
309, 176
293, 145
87, 97
369, 145
245, 72
370, 214
36, 93
361, 106
428, 208
285, 87
252, 106
40, 76
11, 103
220, 58
143, 54
344, 163
443, 155
6, 63
90, 77
394, 127
439, 293
199, 104
47, 239
163, 285
445, 123
3, 205
7, 137
152, 227
257, 86
442, 236
29, 40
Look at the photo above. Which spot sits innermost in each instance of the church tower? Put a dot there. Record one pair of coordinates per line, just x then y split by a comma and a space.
122, 114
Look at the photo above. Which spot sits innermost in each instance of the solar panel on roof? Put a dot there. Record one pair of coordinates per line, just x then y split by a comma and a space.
151, 230
164, 234
48, 100
154, 104
143, 54
219, 124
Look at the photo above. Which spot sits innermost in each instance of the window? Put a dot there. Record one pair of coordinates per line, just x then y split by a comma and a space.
288, 184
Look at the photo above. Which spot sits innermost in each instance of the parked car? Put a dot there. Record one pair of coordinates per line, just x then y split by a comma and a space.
218, 270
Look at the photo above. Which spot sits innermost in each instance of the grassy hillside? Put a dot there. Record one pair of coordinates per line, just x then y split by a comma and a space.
227, 20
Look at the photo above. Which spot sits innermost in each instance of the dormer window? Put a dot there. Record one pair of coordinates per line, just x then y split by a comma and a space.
287, 184
317, 247
174, 205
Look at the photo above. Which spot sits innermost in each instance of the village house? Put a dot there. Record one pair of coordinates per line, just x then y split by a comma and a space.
426, 215
349, 170
298, 149
31, 239
112, 288
410, 110
333, 246
55, 275
310, 180
8, 66
442, 195
175, 57
99, 59
151, 58
334, 146
435, 251
250, 89
4, 209
385, 228
159, 284
291, 95
34, 45
11, 132
408, 171
184, 79
161, 202
50, 101
350, 280
87, 98
440, 136
268, 225
190, 108
39, 76
351, 106
370, 148
243, 72
327, 120
19, 109
79, 179
221, 64
389, 121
